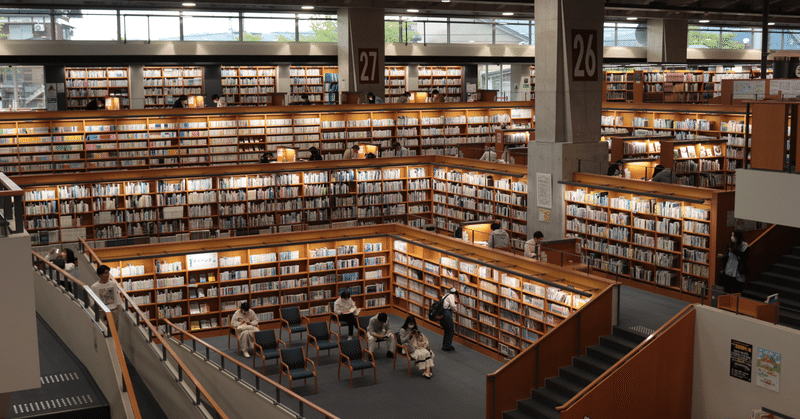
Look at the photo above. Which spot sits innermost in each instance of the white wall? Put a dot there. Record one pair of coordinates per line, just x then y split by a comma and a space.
715, 393
20, 357
751, 196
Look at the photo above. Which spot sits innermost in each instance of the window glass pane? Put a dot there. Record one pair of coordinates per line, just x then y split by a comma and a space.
791, 40
162, 28
609, 35
463, 33
93, 25
28, 93
493, 77
703, 37
632, 36
512, 32
318, 28
21, 24
392, 33
734, 40
198, 27
433, 32
274, 29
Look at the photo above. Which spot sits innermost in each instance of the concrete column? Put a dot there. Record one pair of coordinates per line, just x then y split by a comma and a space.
212, 83
361, 30
568, 103
667, 40
518, 74
136, 88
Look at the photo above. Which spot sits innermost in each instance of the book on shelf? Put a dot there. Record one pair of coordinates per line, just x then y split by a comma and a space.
717, 151
195, 324
201, 293
684, 153
192, 279
702, 151
192, 293
691, 151
203, 278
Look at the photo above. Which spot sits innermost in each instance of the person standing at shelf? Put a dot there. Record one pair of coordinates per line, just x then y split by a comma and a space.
181, 102
533, 247
737, 252
499, 238
351, 153
450, 304
371, 98
378, 331
315, 154
404, 98
220, 101
107, 290
489, 155
246, 324
399, 150
346, 309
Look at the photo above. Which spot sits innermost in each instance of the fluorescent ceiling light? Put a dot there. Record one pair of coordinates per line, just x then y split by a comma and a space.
703, 21
632, 18
412, 11
771, 23
307, 7
445, 1
508, 13
189, 4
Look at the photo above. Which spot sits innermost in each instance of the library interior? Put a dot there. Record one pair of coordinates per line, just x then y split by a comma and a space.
190, 181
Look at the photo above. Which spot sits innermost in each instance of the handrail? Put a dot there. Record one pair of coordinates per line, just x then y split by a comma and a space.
763, 235
86, 249
624, 359
10, 190
111, 330
259, 377
127, 385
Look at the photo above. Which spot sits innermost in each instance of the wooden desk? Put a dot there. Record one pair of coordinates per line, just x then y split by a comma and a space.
757, 309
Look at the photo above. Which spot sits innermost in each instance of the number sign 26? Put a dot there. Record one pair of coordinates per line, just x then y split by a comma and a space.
584, 55
368, 65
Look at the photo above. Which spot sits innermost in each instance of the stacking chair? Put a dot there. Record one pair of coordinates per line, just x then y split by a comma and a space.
363, 324
294, 365
233, 332
335, 319
352, 356
292, 321
401, 351
319, 336
266, 347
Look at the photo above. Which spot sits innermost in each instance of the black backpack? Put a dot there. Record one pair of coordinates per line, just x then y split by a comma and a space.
437, 309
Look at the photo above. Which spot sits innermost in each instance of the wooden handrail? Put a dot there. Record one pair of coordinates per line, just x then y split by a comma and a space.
251, 370
11, 188
126, 377
55, 267
763, 235
88, 249
624, 359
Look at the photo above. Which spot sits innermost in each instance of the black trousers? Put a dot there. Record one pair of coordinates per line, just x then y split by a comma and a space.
732, 286
350, 318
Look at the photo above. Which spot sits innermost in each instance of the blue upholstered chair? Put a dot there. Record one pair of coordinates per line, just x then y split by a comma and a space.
352, 356
319, 336
401, 351
335, 318
294, 365
266, 347
292, 321
232, 332
363, 324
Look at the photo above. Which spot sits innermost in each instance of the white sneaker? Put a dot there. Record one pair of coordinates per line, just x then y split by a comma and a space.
246, 354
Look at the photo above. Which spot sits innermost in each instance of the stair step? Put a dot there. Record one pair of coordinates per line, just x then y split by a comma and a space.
796, 250
629, 334
563, 386
593, 365
549, 397
780, 279
793, 260
788, 293
518, 414
791, 271
535, 409
577, 375
618, 343
605, 353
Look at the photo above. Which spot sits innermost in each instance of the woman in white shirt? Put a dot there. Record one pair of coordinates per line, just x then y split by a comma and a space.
65, 259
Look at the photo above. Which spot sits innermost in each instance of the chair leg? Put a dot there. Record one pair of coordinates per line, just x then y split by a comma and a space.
375, 371
316, 389
394, 361
351, 378
338, 371
409, 366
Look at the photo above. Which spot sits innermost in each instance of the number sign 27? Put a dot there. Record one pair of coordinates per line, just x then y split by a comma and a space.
368, 65
584, 55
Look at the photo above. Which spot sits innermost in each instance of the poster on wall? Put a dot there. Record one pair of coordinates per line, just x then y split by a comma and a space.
768, 370
741, 360
544, 190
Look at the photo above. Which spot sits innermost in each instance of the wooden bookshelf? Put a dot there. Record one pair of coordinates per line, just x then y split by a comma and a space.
447, 79
330, 77
320, 83
395, 82
696, 162
533, 82
86, 83
392, 268
618, 86
129, 207
249, 86
79, 141
663, 240
164, 85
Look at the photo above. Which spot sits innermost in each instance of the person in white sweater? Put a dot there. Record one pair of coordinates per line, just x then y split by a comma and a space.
346, 309
246, 324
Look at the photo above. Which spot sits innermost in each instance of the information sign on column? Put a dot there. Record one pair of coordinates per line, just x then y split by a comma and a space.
368, 65
584, 55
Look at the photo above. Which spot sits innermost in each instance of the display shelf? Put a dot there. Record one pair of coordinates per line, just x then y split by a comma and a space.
668, 239
248, 85
696, 162
618, 86
320, 83
389, 268
395, 83
30, 143
447, 80
193, 203
86, 83
164, 85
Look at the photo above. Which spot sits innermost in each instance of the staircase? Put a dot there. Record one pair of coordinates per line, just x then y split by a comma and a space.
782, 278
574, 378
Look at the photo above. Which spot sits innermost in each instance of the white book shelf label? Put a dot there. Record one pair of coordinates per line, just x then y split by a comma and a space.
199, 261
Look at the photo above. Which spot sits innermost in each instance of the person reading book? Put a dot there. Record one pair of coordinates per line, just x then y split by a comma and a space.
246, 324
346, 309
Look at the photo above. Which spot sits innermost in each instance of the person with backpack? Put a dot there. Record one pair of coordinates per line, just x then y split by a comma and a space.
449, 303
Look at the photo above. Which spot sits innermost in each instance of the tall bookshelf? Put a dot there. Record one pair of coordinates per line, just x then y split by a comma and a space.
164, 85
447, 79
618, 86
248, 86
31, 143
391, 268
330, 88
320, 83
395, 83
696, 162
665, 240
533, 82
130, 207
86, 83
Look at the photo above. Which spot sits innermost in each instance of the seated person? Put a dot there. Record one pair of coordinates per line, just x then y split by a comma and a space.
346, 309
371, 98
404, 98
533, 247
246, 324
615, 169
371, 156
417, 346
304, 100
181, 102
267, 158
399, 150
498, 238
315, 154
662, 174
351, 153
378, 330
489, 155
220, 101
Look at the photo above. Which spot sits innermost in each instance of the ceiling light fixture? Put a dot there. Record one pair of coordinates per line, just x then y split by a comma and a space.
633, 18
189, 4
704, 21
771, 23
445, 1
412, 11
508, 13
307, 7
